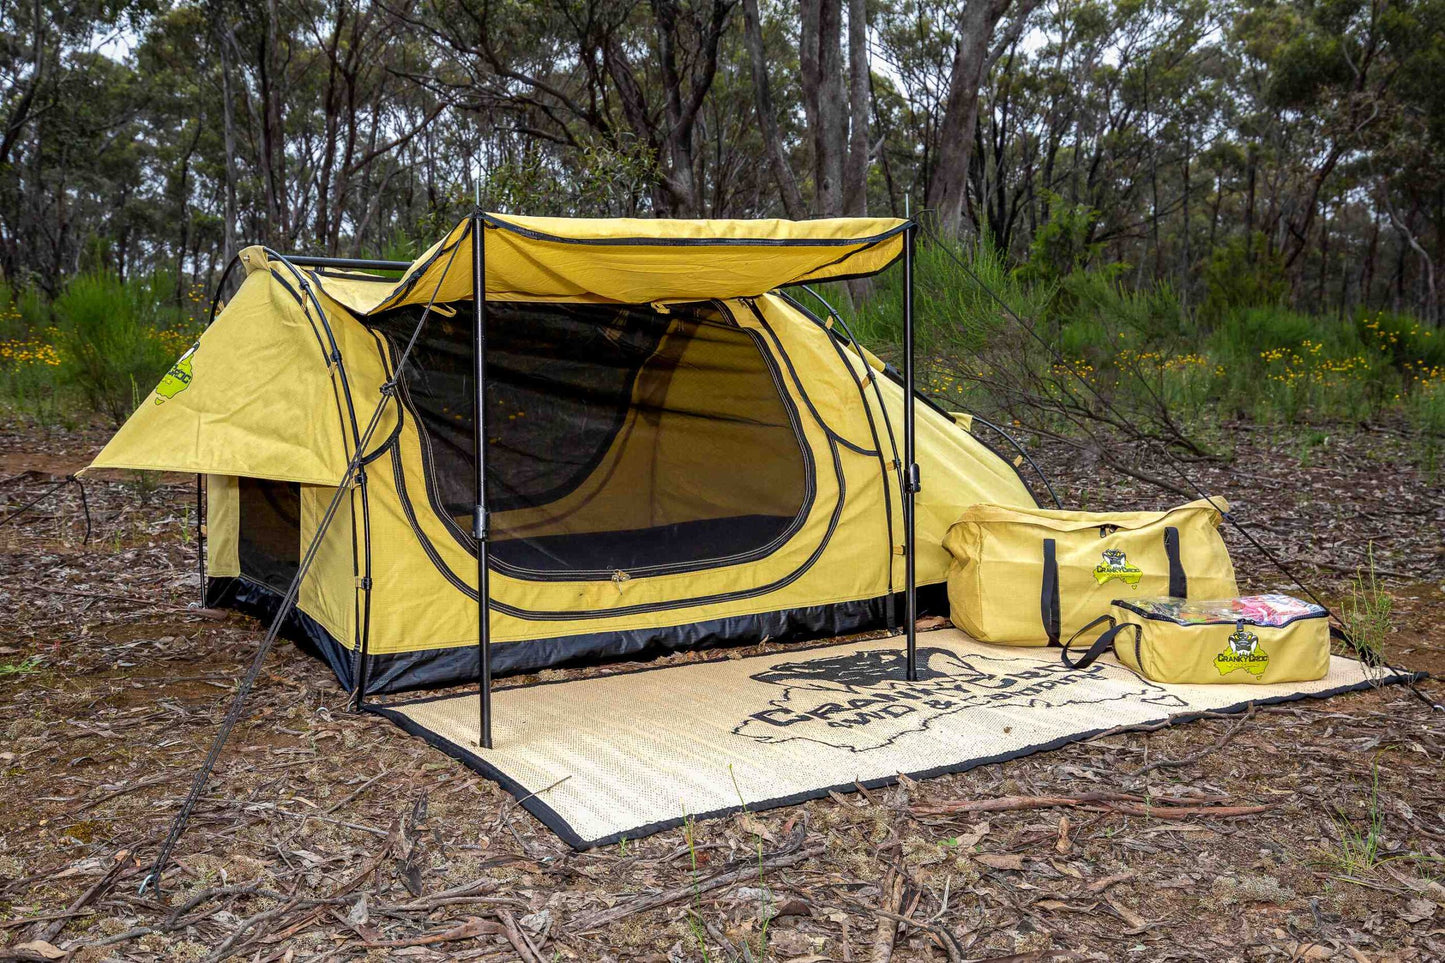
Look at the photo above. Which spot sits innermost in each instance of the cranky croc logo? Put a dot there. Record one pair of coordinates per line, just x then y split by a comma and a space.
863, 700
177, 379
1116, 566
1243, 652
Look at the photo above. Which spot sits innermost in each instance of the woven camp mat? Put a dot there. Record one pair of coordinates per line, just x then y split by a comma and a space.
633, 753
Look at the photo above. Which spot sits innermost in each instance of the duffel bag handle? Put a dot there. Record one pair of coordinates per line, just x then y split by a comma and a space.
1101, 644
1049, 594
1178, 581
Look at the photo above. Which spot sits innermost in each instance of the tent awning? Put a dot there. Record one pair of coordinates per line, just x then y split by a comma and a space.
635, 260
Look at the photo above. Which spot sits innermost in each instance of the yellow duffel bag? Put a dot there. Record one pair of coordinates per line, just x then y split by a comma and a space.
1035, 576
1255, 640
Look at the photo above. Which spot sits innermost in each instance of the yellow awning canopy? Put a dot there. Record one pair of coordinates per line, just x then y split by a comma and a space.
635, 260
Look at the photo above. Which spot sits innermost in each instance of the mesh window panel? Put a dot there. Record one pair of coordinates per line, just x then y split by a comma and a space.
269, 538
620, 438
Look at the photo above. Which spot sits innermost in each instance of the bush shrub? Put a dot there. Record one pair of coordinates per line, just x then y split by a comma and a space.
116, 338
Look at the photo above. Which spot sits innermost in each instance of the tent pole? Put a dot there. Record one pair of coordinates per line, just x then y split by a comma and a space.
479, 445
911, 478
201, 535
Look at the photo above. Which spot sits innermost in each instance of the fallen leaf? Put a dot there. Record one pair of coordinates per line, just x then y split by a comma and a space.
1418, 911
37, 950
1136, 921
970, 839
1099, 885
1011, 861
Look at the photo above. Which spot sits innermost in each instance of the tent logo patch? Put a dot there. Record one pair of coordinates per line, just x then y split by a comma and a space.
177, 379
864, 701
1242, 652
1115, 565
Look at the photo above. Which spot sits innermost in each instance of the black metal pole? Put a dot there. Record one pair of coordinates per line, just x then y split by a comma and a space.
201, 534
347, 263
479, 443
911, 478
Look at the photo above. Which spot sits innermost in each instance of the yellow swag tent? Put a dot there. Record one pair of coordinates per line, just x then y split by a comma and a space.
678, 453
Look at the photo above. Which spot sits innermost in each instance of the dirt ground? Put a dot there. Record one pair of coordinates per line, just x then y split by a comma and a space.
328, 835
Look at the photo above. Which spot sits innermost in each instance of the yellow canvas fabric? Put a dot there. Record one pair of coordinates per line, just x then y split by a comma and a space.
636, 261
841, 551
1211, 654
357, 293
256, 396
252, 397
223, 520
329, 592
997, 586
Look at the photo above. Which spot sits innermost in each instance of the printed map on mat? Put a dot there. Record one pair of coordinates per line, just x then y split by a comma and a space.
631, 754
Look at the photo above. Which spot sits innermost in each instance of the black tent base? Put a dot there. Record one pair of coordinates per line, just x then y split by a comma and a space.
439, 668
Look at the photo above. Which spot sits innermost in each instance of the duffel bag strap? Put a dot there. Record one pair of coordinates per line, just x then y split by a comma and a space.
1101, 644
1178, 582
1049, 593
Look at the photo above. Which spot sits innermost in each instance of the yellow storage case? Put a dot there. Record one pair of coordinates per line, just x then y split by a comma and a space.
1255, 640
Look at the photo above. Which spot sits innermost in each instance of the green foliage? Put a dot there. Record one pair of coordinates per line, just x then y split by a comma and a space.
1425, 407
1243, 273
1256, 359
1064, 243
29, 363
116, 338
27, 665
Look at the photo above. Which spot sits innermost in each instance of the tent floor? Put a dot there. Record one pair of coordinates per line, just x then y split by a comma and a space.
693, 543
630, 754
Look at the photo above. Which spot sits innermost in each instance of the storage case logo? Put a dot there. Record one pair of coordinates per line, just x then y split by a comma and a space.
1116, 566
1243, 652
863, 701
177, 379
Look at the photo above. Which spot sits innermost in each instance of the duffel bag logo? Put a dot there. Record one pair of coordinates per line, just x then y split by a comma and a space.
1243, 652
1116, 566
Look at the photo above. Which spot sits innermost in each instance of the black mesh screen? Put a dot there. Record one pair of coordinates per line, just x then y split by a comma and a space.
620, 438
269, 546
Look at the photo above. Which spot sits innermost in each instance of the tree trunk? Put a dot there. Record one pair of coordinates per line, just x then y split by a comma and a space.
947, 194
820, 59
855, 172
788, 191
228, 133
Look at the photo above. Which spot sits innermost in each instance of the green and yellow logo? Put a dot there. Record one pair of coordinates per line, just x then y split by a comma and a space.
1116, 566
1244, 653
177, 379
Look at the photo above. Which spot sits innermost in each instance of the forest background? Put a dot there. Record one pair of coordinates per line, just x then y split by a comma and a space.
1211, 211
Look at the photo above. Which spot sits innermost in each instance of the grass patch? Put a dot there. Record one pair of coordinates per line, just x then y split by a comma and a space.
27, 665
1360, 849
1367, 613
